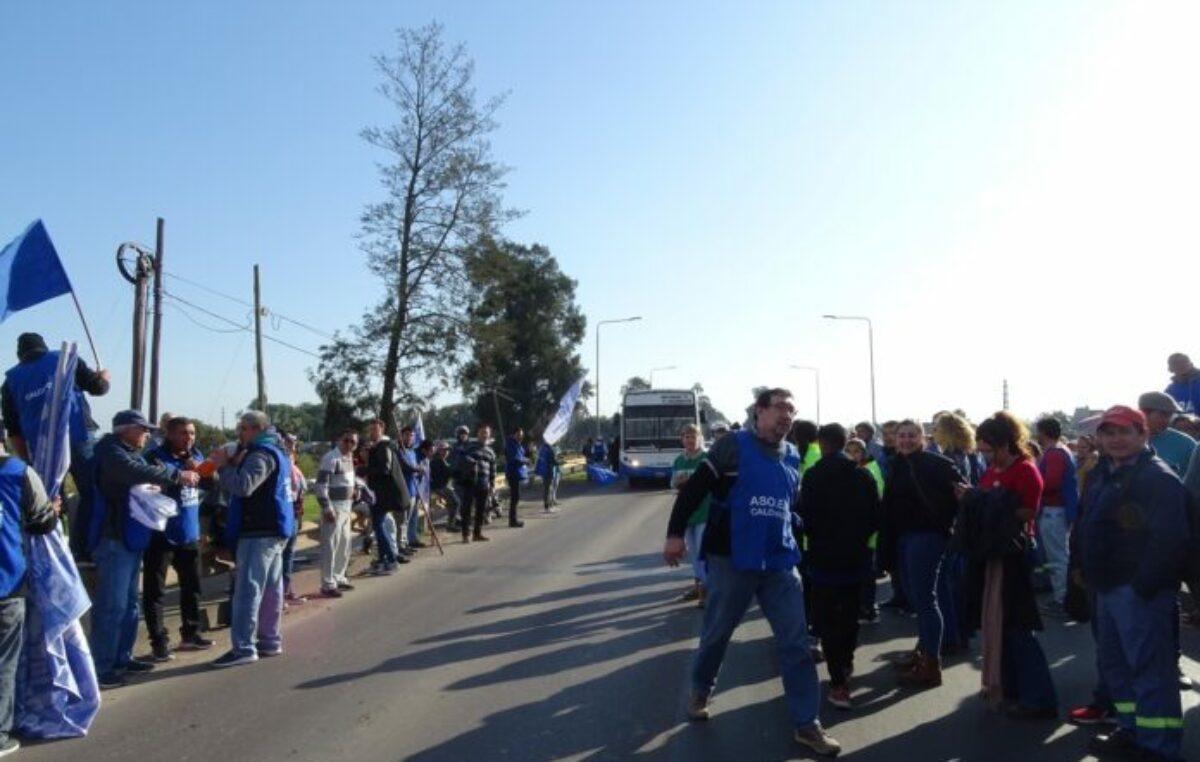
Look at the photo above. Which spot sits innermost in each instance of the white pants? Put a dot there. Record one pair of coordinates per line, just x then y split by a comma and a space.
335, 549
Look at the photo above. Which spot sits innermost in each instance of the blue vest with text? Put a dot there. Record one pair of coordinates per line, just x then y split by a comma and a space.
269, 511
184, 527
12, 549
760, 508
29, 383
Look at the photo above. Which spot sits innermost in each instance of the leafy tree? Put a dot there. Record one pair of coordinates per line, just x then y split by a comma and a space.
305, 420
209, 437
635, 384
524, 327
442, 194
711, 414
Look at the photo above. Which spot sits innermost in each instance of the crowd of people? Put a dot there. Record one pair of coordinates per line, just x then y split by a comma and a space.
970, 524
245, 496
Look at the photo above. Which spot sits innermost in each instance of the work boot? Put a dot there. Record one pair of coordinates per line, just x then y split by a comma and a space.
478, 537
815, 738
905, 662
698, 706
926, 672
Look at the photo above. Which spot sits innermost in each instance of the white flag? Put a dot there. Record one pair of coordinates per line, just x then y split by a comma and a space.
566, 409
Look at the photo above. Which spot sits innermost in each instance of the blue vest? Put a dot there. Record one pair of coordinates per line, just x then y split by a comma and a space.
184, 527
135, 534
760, 508
12, 549
515, 466
269, 511
599, 452
29, 383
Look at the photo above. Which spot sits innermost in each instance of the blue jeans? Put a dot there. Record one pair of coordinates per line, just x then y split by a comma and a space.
950, 598
1024, 673
115, 608
257, 595
414, 524
1135, 650
383, 544
781, 599
920, 555
289, 562
12, 621
692, 538
1052, 530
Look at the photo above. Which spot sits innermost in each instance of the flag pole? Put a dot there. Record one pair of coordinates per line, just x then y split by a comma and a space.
86, 330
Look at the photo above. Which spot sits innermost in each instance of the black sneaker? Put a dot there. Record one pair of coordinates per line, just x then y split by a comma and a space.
137, 666
110, 680
161, 653
1118, 743
195, 643
345, 586
418, 544
9, 746
330, 592
403, 559
516, 524
233, 659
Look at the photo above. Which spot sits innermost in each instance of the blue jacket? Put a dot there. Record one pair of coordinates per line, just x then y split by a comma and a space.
547, 461
516, 463
1135, 528
1186, 393
29, 383
117, 468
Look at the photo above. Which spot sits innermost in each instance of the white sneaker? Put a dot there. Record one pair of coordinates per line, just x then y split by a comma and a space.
815, 738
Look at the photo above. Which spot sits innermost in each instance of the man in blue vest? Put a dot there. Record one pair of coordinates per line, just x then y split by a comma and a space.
753, 478
178, 547
24, 508
516, 470
260, 519
117, 541
21, 400
408, 533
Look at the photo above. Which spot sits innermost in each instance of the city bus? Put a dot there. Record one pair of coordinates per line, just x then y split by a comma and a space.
651, 420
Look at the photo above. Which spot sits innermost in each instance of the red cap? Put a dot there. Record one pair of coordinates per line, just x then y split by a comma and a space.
1121, 415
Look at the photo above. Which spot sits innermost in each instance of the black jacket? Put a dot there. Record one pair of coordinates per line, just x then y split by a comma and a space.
987, 525
840, 506
919, 494
385, 477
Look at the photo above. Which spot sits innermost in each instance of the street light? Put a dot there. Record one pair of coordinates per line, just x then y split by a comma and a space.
817, 376
870, 348
605, 322
665, 367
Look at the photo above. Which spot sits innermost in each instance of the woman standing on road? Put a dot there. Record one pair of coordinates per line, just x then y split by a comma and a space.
955, 440
684, 466
1016, 677
919, 506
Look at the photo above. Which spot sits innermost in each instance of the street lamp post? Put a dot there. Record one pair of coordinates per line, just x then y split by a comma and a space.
665, 367
870, 348
817, 377
605, 322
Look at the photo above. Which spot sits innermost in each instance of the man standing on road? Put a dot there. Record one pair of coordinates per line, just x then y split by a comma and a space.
178, 547
840, 506
261, 518
117, 542
1134, 542
21, 400
753, 477
385, 477
516, 470
480, 466
1059, 509
458, 471
440, 475
24, 509
336, 492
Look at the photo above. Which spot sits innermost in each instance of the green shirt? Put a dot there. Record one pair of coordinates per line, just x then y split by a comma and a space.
811, 456
685, 465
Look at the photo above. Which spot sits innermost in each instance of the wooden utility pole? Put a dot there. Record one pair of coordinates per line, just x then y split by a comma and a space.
156, 330
258, 352
137, 379
1005, 395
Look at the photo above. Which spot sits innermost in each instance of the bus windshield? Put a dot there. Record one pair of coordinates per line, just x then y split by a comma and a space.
656, 426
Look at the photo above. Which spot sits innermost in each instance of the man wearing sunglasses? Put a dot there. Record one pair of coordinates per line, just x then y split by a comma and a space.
336, 493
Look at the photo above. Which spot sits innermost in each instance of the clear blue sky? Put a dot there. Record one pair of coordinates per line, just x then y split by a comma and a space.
1008, 189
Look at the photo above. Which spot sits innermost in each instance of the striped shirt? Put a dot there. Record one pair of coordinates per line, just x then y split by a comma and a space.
335, 481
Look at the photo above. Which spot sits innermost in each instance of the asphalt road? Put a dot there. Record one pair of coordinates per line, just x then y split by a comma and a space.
560, 641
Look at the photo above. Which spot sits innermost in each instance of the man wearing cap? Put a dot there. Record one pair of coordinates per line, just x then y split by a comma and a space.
1133, 541
1185, 382
439, 482
117, 540
260, 520
21, 400
461, 469
24, 509
1172, 445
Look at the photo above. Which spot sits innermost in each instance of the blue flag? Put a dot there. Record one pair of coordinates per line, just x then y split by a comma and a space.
30, 271
562, 419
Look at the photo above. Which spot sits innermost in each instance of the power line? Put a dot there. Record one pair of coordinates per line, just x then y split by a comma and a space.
244, 303
197, 323
238, 326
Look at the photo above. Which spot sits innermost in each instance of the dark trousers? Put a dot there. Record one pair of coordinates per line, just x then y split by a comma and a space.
81, 473
477, 498
12, 623
384, 548
186, 563
514, 497
835, 608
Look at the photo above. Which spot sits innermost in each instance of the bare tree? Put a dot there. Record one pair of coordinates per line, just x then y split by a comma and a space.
443, 193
